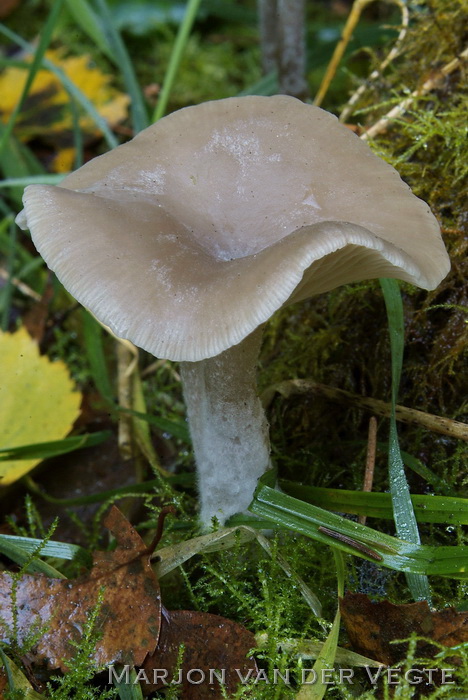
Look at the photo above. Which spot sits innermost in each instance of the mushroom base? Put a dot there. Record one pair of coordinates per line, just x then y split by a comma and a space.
228, 428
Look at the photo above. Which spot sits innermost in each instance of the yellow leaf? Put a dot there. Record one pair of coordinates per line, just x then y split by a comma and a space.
38, 402
63, 161
46, 113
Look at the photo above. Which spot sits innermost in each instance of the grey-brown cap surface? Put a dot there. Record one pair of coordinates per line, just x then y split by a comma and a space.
190, 236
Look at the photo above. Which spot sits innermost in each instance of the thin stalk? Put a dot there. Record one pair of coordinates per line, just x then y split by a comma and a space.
351, 22
403, 512
87, 19
77, 135
315, 688
437, 424
70, 87
370, 461
32, 180
392, 55
125, 362
8, 290
138, 108
430, 84
44, 42
176, 56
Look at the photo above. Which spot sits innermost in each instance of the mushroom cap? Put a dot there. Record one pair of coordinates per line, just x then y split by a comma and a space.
194, 233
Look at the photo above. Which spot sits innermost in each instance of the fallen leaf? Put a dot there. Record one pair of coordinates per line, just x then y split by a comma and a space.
129, 619
372, 627
38, 402
46, 110
211, 644
35, 320
132, 629
7, 7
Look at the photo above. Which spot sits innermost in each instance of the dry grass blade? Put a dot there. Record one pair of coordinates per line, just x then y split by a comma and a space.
431, 84
347, 111
20, 286
346, 36
437, 424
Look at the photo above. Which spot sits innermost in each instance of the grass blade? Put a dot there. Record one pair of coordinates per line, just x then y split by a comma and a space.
433, 479
126, 682
77, 135
138, 109
405, 519
428, 509
184, 479
18, 684
44, 42
393, 553
179, 46
178, 430
87, 19
32, 180
73, 91
326, 658
93, 333
17, 161
29, 560
28, 545
53, 448
7, 291
36, 566
267, 85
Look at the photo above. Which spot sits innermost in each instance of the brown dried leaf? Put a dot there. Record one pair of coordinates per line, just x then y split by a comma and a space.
35, 320
373, 626
3, 678
7, 7
211, 643
129, 619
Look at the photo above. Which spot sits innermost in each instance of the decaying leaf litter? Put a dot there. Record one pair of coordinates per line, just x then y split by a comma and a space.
134, 628
344, 368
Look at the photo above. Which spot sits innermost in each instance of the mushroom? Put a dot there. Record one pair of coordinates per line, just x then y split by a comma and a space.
188, 238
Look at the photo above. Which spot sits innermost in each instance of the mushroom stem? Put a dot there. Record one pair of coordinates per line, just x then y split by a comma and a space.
228, 427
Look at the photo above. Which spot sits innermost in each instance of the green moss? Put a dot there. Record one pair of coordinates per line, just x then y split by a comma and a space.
213, 67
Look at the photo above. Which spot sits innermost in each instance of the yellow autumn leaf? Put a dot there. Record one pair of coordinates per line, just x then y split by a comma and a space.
38, 402
47, 110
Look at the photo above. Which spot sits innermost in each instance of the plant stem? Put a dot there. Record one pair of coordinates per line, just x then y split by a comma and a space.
176, 56
437, 424
346, 36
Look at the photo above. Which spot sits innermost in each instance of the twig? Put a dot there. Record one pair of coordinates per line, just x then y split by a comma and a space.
378, 71
351, 22
370, 461
431, 84
21, 286
125, 362
154, 366
437, 424
163, 513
